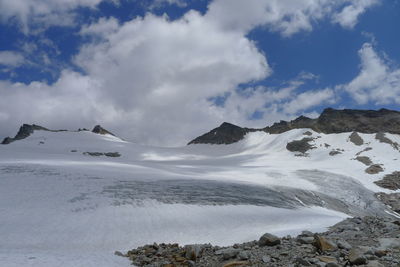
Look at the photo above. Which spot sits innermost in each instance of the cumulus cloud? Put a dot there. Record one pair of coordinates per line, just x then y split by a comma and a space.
286, 16
151, 79
44, 12
145, 76
377, 81
10, 59
348, 16
308, 99
273, 104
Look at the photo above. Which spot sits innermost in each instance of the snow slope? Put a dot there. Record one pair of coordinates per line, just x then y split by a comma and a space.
60, 207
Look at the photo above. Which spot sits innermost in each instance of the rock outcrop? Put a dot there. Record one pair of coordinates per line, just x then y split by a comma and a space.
330, 121
27, 129
24, 131
390, 181
226, 133
100, 130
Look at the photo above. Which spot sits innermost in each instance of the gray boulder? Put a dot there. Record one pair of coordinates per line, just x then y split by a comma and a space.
269, 240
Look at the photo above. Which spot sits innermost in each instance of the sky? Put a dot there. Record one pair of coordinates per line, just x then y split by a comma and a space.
161, 72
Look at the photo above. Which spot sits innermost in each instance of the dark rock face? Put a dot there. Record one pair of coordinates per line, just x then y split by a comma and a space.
356, 139
226, 133
365, 160
347, 120
302, 145
284, 126
24, 131
107, 154
330, 121
390, 181
100, 130
364, 121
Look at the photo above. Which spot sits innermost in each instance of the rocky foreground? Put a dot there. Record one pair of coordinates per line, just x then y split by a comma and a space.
368, 241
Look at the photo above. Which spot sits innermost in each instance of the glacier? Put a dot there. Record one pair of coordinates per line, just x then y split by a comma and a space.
61, 207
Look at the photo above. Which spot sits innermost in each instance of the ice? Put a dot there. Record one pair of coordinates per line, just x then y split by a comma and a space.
64, 208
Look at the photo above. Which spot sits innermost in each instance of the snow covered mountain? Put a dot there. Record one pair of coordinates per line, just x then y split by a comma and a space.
71, 198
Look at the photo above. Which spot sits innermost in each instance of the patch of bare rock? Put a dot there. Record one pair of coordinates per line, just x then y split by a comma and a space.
301, 146
390, 181
364, 150
374, 169
368, 241
365, 160
356, 139
99, 154
381, 137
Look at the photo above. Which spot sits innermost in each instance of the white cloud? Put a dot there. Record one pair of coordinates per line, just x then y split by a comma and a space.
44, 12
10, 58
150, 79
377, 82
274, 104
285, 16
348, 16
308, 100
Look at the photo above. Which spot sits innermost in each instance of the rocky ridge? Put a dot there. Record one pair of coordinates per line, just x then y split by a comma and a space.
330, 121
27, 129
368, 241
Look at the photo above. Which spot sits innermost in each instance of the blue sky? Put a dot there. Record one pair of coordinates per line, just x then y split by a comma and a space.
163, 71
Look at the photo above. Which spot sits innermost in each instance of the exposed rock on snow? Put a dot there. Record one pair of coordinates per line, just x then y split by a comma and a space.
374, 169
226, 133
100, 130
301, 146
27, 129
390, 181
383, 139
24, 131
365, 160
107, 154
356, 139
330, 121
334, 152
364, 150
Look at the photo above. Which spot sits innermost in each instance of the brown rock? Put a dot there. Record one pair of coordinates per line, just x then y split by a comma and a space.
374, 169
236, 263
327, 259
323, 244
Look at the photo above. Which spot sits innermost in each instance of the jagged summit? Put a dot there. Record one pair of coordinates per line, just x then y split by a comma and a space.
24, 131
226, 133
27, 129
100, 130
330, 121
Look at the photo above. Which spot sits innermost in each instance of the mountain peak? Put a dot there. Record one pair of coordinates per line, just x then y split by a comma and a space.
330, 121
100, 130
226, 133
24, 131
